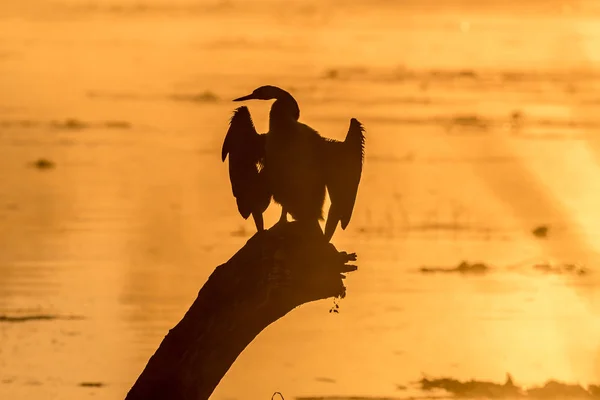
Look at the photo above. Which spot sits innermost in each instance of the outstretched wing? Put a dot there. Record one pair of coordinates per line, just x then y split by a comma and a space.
246, 151
343, 168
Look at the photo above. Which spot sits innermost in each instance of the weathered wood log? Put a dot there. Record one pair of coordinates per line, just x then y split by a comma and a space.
276, 271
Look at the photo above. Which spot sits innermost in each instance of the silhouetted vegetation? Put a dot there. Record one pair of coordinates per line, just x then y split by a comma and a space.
472, 388
463, 268
552, 389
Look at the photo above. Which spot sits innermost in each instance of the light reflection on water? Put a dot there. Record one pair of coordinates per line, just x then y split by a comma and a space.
461, 165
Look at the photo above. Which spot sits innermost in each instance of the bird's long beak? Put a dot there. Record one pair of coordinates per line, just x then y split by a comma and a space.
244, 98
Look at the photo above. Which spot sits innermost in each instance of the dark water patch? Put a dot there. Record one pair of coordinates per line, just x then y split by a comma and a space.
163, 8
71, 124
119, 96
590, 102
345, 73
461, 75
240, 43
403, 120
442, 226
550, 136
75, 124
410, 157
515, 124
480, 123
463, 267
468, 121
552, 389
206, 96
117, 125
325, 379
241, 232
397, 74
561, 269
202, 97
37, 317
43, 164
470, 160
477, 268
406, 158
573, 124
399, 100
92, 384
24, 123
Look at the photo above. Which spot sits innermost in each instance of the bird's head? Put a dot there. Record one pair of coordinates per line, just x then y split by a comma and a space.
264, 93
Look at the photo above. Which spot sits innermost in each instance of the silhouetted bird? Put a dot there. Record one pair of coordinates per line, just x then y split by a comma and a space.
299, 163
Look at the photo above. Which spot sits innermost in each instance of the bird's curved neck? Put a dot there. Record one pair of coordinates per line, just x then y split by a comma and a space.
284, 109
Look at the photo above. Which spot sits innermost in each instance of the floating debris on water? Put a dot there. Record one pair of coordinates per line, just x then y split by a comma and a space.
44, 163
464, 267
92, 384
468, 121
541, 231
332, 74
240, 232
70, 123
550, 268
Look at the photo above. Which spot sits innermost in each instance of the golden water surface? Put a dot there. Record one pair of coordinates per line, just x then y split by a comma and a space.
482, 123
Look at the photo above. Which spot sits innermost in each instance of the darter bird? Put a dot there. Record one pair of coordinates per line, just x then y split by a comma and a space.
300, 164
